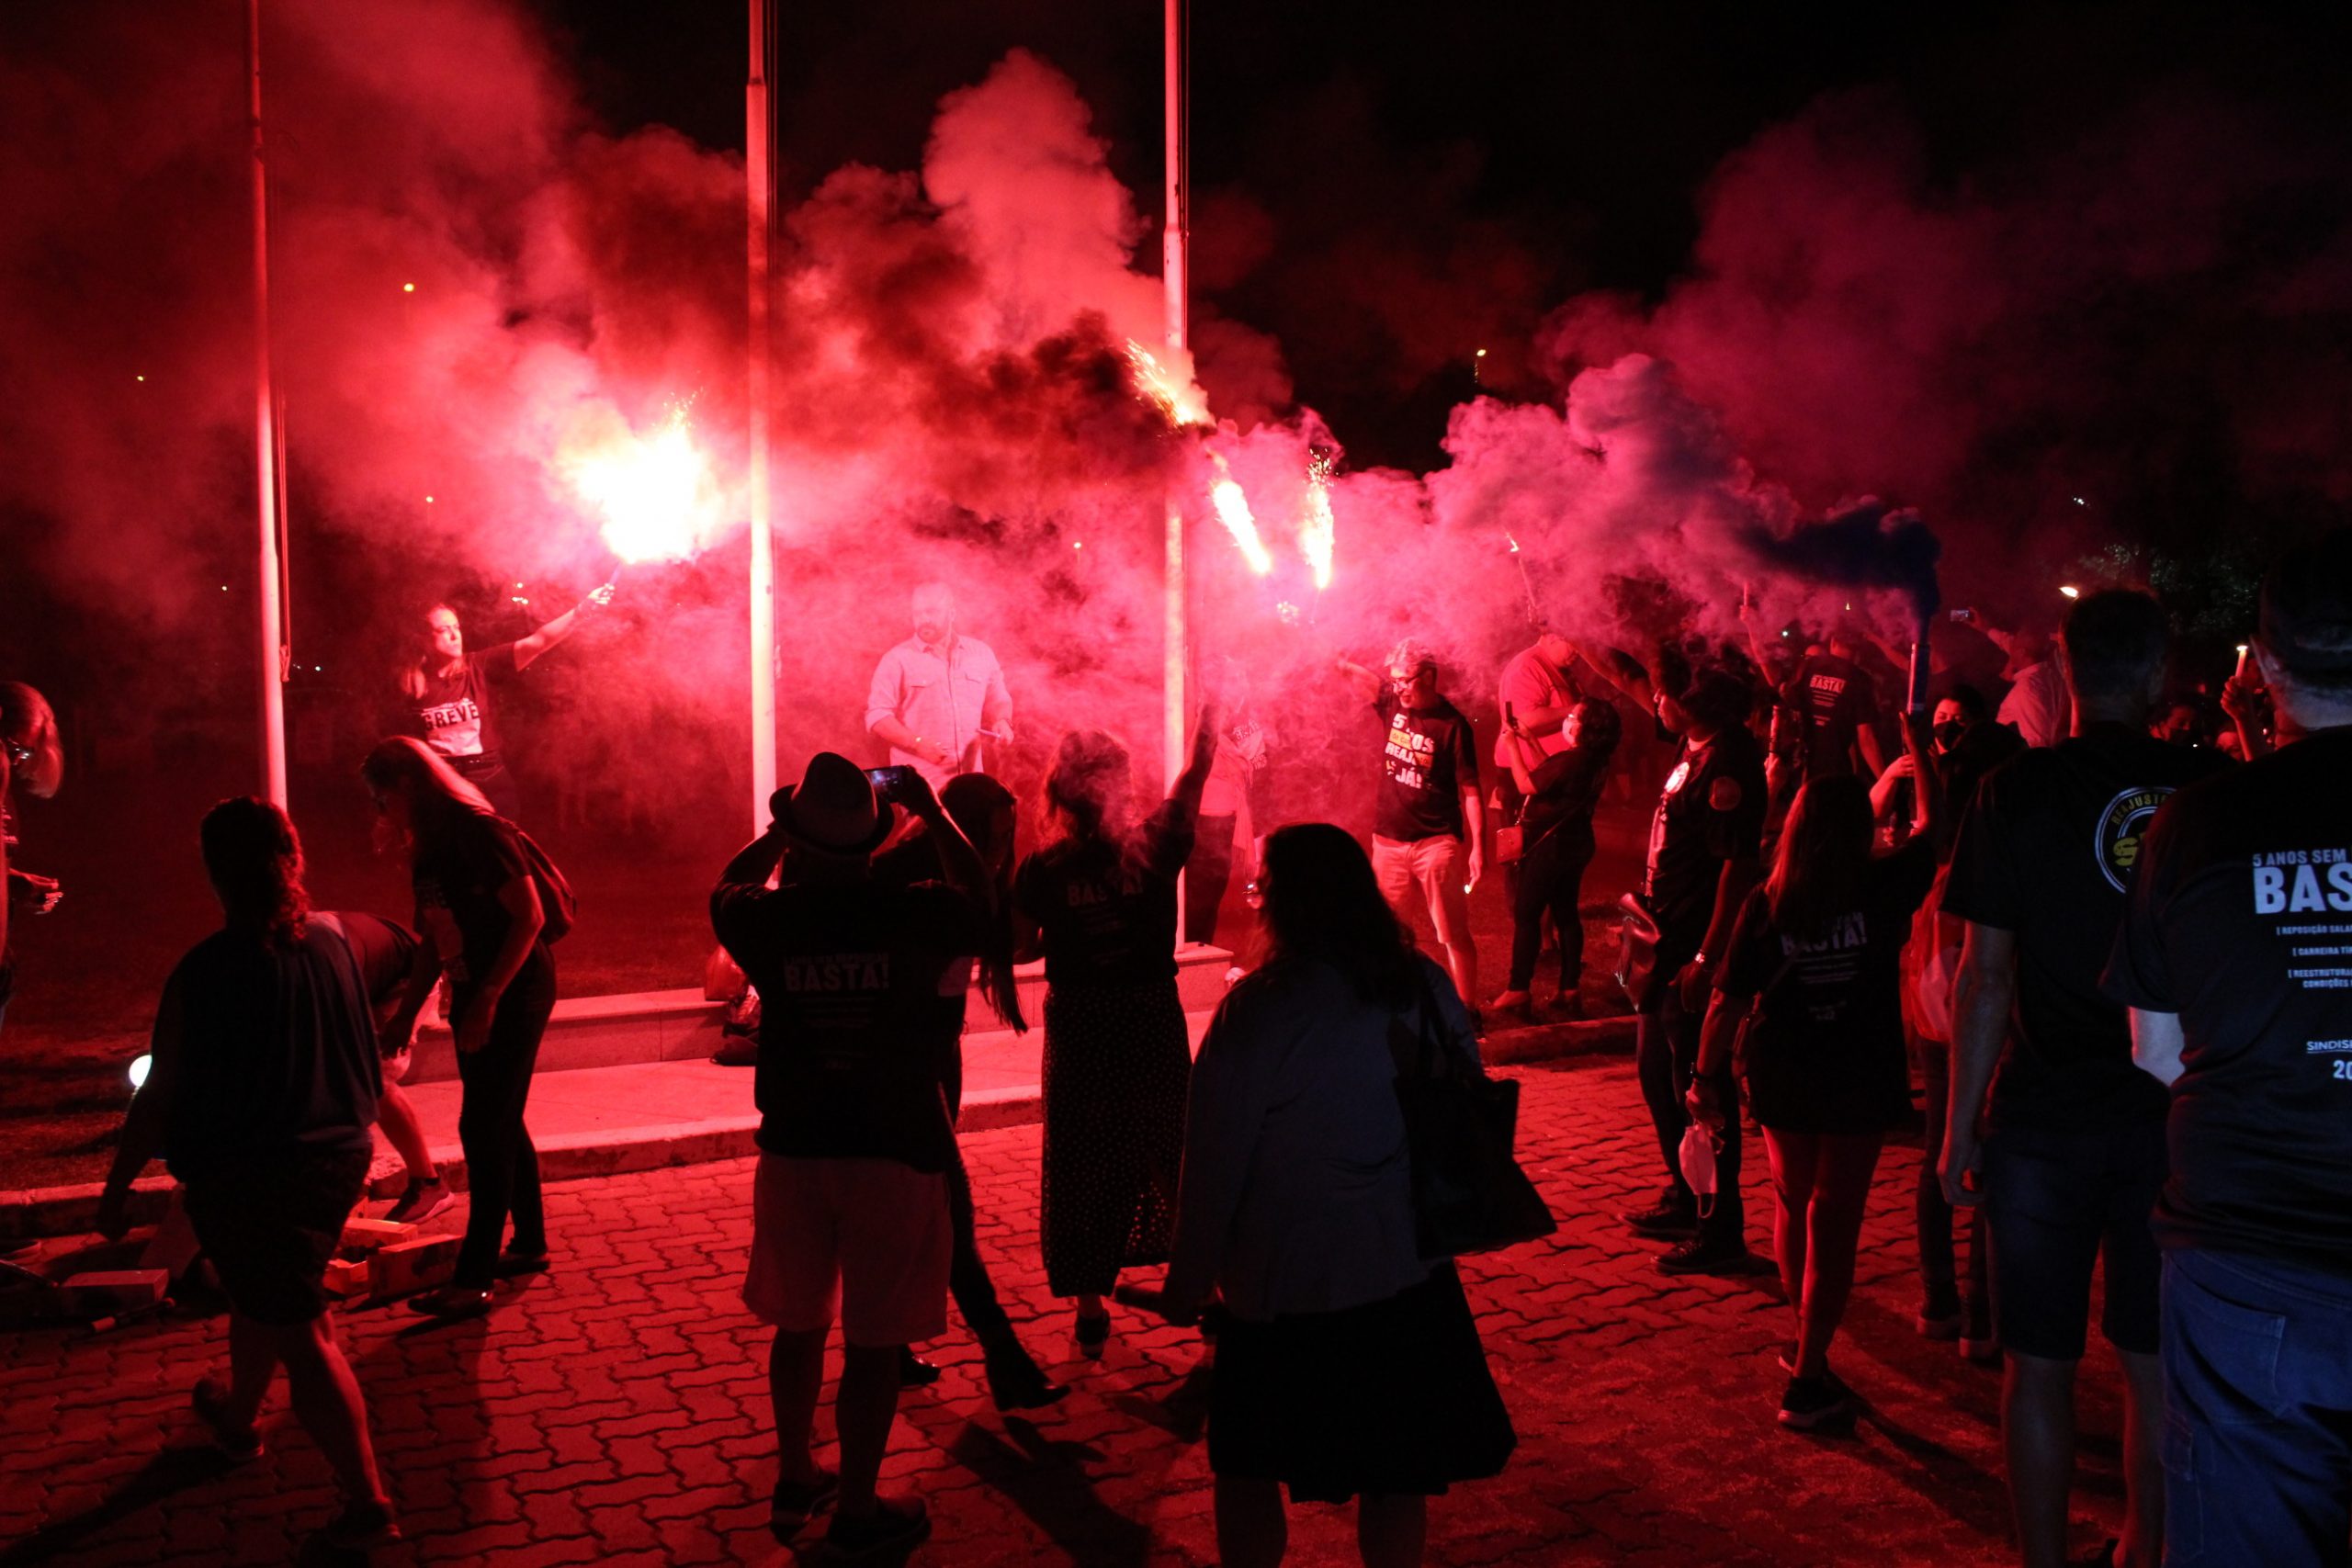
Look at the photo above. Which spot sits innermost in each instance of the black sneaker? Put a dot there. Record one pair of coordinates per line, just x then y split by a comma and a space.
1017, 1382
362, 1526
238, 1445
914, 1372
1704, 1255
1665, 1220
793, 1502
420, 1202
1812, 1404
897, 1526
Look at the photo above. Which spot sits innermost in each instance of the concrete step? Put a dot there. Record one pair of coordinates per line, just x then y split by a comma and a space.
682, 1025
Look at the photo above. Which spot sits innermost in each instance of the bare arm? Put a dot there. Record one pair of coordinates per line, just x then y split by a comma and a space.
1982, 996
527, 648
1619, 669
1515, 753
149, 1118
1366, 682
1873, 754
423, 970
2157, 1042
892, 733
1934, 812
1186, 794
520, 898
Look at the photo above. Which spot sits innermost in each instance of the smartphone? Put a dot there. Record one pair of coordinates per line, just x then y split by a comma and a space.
888, 782
1966, 617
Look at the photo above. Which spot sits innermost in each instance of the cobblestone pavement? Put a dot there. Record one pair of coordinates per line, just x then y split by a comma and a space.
615, 1410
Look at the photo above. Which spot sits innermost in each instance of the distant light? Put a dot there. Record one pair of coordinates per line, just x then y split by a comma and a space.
139, 377
1784, 631
139, 1072
428, 500
1077, 544
2070, 590
408, 288
1480, 354
519, 598
224, 588
2079, 501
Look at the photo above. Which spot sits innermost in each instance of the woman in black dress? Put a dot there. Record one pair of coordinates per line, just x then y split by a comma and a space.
1561, 792
1102, 901
1816, 966
478, 917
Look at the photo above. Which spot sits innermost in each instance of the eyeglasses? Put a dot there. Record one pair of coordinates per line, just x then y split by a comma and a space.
18, 756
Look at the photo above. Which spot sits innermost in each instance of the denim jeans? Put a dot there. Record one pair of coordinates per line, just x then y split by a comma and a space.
2257, 1358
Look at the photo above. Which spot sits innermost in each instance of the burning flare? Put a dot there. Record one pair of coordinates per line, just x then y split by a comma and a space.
1233, 511
655, 493
1183, 401
1318, 530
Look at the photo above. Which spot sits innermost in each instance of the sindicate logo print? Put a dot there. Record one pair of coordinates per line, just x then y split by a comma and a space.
2121, 825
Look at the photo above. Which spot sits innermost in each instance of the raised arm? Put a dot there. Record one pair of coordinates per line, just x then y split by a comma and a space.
1934, 818
1367, 682
527, 648
1186, 794
1620, 670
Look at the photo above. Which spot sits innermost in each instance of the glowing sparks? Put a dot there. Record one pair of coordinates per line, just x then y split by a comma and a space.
1183, 401
1318, 530
1233, 511
655, 493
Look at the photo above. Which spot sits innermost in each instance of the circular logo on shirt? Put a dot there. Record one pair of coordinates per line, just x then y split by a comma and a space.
2122, 827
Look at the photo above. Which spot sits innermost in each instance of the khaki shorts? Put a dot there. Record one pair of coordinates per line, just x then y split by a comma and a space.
1436, 868
864, 1240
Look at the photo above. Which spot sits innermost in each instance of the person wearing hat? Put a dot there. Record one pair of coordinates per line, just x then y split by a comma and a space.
2232, 959
1429, 823
1706, 838
850, 1203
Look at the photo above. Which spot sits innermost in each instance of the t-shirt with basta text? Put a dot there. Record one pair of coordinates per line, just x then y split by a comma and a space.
850, 980
1106, 910
1824, 706
1426, 758
1710, 812
453, 716
278, 1050
2046, 851
2239, 921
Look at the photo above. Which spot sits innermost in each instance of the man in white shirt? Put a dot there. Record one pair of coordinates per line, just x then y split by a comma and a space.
937, 695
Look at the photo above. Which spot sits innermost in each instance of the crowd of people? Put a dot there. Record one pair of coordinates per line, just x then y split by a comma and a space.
2115, 956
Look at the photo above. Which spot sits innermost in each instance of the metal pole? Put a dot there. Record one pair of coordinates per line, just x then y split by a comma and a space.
757, 135
1172, 248
271, 622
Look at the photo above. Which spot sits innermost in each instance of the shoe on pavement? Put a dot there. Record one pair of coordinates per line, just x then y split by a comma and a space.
1939, 1317
793, 1503
1979, 1345
1516, 1007
1665, 1220
513, 1265
420, 1202
238, 1445
1812, 1404
914, 1372
452, 1303
362, 1526
1017, 1382
1704, 1255
897, 1526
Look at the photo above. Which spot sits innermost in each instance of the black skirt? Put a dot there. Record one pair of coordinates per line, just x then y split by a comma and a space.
1392, 1398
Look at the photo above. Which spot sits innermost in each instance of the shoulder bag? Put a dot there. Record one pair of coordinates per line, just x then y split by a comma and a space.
1469, 1194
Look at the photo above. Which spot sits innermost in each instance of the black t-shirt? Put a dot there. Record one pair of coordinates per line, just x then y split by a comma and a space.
1106, 912
2046, 851
1428, 757
1567, 788
453, 716
384, 950
850, 981
2239, 921
456, 887
1711, 811
278, 1050
1832, 1015
1826, 702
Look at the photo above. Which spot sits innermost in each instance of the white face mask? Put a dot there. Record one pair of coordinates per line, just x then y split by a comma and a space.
1698, 1162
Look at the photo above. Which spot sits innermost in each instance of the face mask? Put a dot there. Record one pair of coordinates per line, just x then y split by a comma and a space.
1948, 734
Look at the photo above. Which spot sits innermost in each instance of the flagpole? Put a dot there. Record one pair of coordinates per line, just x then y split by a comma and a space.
1175, 240
758, 135
271, 618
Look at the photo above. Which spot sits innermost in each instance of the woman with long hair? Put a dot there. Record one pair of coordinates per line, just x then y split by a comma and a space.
1350, 1367
1561, 792
1815, 968
261, 1087
1101, 901
444, 689
477, 919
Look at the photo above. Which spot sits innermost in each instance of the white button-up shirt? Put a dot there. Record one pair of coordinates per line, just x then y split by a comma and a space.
941, 694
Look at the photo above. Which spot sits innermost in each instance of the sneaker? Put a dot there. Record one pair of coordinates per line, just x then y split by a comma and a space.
1706, 1255
897, 1525
362, 1526
1665, 1220
914, 1372
238, 1445
1939, 1317
793, 1503
420, 1201
1810, 1404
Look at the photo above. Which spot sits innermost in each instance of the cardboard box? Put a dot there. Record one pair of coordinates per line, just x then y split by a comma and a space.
348, 1276
365, 1235
404, 1267
123, 1290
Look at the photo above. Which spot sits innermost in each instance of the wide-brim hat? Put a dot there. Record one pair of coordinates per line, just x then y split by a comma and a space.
832, 810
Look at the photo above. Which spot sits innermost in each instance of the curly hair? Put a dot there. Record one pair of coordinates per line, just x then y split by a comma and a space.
254, 859
1091, 783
